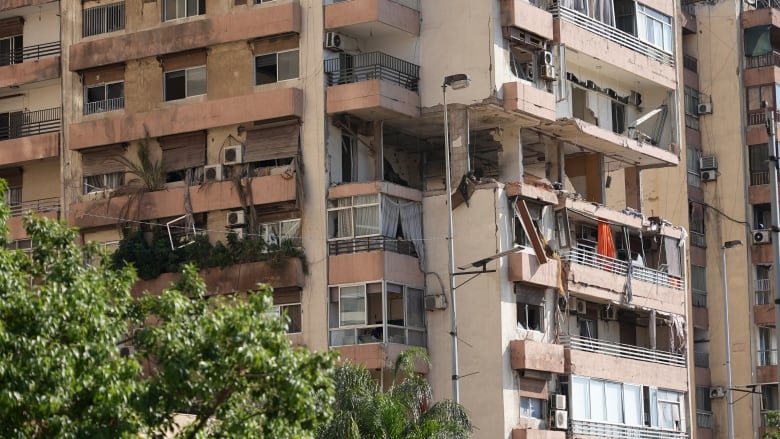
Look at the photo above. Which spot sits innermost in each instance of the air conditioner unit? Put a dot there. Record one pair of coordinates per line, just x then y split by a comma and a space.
635, 98
560, 419
717, 392
546, 58
126, 351
435, 302
609, 312
558, 402
213, 173
582, 307
547, 72
337, 42
710, 175
233, 155
761, 237
709, 162
705, 108
237, 218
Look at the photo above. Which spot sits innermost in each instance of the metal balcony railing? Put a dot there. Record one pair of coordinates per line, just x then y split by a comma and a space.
690, 63
763, 291
42, 205
699, 298
622, 350
29, 53
587, 257
103, 19
759, 177
698, 239
759, 117
701, 359
371, 243
703, 419
30, 123
622, 431
613, 34
372, 65
104, 105
767, 357
761, 4
769, 59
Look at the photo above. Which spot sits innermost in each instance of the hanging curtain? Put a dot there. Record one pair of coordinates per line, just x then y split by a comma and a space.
411, 222
344, 218
366, 220
606, 244
577, 5
673, 256
390, 214
604, 12
758, 40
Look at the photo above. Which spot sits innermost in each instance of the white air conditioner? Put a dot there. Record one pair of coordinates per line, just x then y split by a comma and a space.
337, 42
709, 162
705, 108
236, 218
547, 72
233, 155
761, 237
582, 307
126, 351
609, 312
560, 419
558, 402
546, 58
434, 302
717, 392
710, 175
213, 173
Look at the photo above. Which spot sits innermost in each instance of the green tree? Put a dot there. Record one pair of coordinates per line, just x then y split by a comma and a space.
773, 425
225, 361
363, 410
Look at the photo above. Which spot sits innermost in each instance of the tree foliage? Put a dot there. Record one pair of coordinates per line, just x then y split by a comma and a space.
364, 411
226, 361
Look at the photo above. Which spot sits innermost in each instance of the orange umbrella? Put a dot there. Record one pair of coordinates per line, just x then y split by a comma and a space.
606, 245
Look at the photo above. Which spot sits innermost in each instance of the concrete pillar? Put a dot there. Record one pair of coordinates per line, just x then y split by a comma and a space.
555, 163
511, 159
459, 141
633, 188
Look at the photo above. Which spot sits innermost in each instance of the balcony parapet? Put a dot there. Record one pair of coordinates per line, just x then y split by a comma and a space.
582, 428
7, 5
533, 355
389, 15
371, 243
377, 355
44, 69
623, 350
589, 258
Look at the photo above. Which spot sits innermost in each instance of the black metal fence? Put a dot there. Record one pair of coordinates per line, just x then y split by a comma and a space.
371, 243
348, 69
769, 59
30, 123
29, 53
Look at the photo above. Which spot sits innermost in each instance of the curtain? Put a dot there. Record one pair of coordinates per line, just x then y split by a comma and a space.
604, 12
606, 245
577, 5
758, 41
391, 211
411, 222
343, 218
366, 220
672, 256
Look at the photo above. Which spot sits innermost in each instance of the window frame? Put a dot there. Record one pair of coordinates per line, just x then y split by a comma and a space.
105, 20
201, 7
107, 185
186, 71
105, 86
644, 15
15, 54
352, 206
692, 98
276, 65
364, 294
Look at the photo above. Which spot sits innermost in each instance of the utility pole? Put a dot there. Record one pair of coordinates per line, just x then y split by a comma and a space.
774, 166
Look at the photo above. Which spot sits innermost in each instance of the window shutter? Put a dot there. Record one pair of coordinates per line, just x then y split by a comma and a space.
11, 26
12, 175
183, 151
178, 61
103, 160
272, 143
275, 44
105, 74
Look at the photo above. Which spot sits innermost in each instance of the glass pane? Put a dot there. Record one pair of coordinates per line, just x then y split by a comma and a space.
632, 400
342, 337
579, 399
366, 220
352, 305
288, 65
666, 415
169, 10
265, 69
115, 90
531, 408
196, 81
415, 316
597, 401
192, 7
396, 335
613, 393
366, 199
340, 223
96, 94
291, 230
175, 85
415, 338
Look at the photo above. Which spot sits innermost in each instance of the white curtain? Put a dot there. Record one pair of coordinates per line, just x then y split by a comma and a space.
632, 399
343, 219
673, 256
410, 215
577, 5
604, 12
366, 220
579, 399
390, 216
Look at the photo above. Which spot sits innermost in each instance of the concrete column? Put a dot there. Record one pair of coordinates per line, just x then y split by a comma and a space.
555, 163
459, 139
511, 159
633, 188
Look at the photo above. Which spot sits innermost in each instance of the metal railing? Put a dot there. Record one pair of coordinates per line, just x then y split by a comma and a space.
769, 59
29, 53
759, 177
760, 4
701, 359
372, 65
42, 205
104, 105
103, 19
606, 429
758, 117
613, 34
699, 298
690, 63
703, 419
763, 289
585, 256
30, 123
698, 239
371, 243
767, 357
622, 350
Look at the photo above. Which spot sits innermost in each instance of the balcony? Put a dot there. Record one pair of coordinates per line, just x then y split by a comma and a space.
623, 350
372, 243
582, 428
372, 86
525, 267
7, 5
372, 18
30, 64
769, 60
32, 123
376, 356
525, 15
168, 203
104, 105
532, 355
42, 205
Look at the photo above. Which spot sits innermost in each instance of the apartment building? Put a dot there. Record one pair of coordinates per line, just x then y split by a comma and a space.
323, 123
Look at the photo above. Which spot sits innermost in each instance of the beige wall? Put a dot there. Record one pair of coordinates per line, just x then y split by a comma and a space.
40, 180
42, 26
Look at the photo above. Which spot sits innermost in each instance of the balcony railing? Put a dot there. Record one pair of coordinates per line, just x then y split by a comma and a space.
613, 34
373, 65
769, 59
587, 257
605, 429
690, 63
42, 205
763, 290
622, 350
759, 178
698, 239
701, 359
105, 105
767, 357
29, 53
759, 117
30, 123
699, 298
371, 243
103, 19
703, 419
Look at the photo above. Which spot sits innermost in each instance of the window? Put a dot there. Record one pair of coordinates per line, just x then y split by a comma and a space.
101, 169
769, 401
532, 408
277, 232
618, 118
699, 285
349, 159
759, 164
767, 353
180, 84
104, 97
183, 157
10, 125
762, 216
353, 217
289, 304
275, 67
104, 19
696, 219
691, 108
588, 327
692, 162
763, 289
535, 210
352, 305
759, 93
11, 50
173, 9
13, 196
530, 317
654, 27
103, 182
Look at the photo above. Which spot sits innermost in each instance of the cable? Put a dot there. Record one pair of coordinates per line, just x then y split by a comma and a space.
724, 214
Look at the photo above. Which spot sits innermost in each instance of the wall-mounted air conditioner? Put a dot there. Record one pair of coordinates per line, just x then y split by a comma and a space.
560, 419
582, 307
236, 218
710, 175
233, 155
705, 108
337, 42
435, 302
547, 72
213, 173
761, 237
635, 98
558, 402
708, 162
717, 392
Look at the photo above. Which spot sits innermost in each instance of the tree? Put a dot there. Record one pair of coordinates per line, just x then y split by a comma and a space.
64, 311
773, 425
363, 410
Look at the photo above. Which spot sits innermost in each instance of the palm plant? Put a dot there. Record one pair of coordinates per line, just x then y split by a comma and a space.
363, 410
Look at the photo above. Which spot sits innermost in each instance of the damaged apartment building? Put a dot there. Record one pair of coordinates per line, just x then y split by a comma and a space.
320, 125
